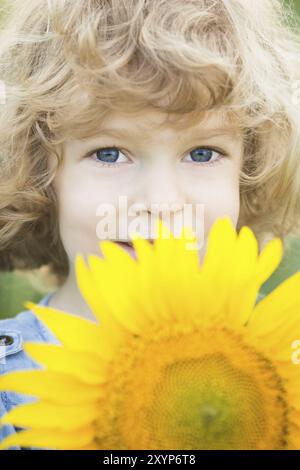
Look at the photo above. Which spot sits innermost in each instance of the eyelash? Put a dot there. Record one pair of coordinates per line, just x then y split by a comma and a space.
221, 153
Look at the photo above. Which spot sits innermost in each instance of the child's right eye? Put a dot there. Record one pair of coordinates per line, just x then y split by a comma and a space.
109, 155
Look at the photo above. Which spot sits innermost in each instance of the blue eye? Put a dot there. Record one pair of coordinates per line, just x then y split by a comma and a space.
205, 155
109, 154
201, 155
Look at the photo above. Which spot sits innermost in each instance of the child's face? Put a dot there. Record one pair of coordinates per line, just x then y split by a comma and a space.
152, 164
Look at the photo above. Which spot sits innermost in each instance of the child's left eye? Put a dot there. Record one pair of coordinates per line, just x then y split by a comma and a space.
204, 155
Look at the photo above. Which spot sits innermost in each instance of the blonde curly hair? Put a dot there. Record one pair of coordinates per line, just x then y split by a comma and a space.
122, 55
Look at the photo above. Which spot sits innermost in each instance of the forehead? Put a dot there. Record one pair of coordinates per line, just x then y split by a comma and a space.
153, 118
150, 120
87, 119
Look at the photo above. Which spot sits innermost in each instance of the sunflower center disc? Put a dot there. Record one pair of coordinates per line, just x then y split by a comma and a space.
202, 389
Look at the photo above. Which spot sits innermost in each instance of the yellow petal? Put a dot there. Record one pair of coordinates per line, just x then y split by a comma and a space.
269, 260
221, 244
164, 290
91, 287
121, 296
163, 279
277, 343
74, 332
187, 293
86, 367
215, 276
176, 278
92, 283
114, 253
277, 309
52, 386
143, 249
50, 440
243, 290
152, 304
48, 415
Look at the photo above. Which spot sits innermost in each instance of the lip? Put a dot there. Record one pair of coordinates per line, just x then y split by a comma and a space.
127, 246
128, 243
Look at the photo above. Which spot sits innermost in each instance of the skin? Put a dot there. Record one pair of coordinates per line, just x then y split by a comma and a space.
154, 165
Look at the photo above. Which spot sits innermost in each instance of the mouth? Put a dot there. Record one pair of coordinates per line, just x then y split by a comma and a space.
128, 246
130, 243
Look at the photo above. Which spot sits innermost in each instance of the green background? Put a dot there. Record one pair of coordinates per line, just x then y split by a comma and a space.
15, 288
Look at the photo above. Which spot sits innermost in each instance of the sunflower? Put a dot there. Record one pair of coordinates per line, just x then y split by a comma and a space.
181, 356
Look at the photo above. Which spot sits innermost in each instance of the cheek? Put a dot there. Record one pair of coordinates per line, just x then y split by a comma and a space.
78, 203
219, 199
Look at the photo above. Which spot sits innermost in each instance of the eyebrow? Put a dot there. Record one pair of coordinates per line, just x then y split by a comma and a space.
228, 131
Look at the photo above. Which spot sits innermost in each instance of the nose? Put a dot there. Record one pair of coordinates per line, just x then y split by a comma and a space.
163, 192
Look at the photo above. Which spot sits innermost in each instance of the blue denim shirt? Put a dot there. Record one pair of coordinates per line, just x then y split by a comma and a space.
23, 327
